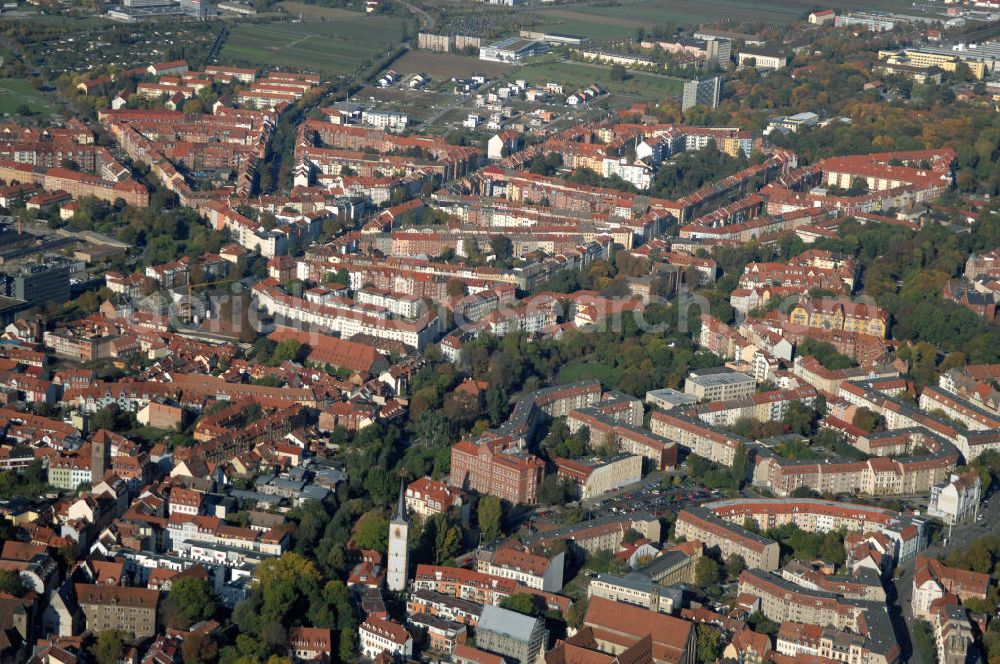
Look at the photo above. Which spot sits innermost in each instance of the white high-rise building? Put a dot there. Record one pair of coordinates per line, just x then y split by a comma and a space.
399, 549
705, 92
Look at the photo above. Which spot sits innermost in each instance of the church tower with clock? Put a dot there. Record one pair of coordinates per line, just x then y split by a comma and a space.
399, 546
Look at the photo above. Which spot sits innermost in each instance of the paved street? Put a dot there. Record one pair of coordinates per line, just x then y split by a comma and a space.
961, 536
965, 534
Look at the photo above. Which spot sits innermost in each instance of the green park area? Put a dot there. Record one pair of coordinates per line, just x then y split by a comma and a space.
573, 75
16, 95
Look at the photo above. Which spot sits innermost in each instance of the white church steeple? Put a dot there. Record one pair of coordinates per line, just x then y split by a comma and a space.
399, 546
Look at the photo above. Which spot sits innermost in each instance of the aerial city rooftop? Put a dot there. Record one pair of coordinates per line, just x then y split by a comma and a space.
504, 332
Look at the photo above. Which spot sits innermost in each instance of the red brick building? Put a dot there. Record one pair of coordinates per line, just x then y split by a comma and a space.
495, 466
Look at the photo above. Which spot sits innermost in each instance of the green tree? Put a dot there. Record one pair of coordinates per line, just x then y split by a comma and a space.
706, 572
455, 288
526, 603
496, 404
760, 623
708, 643
199, 649
382, 485
10, 583
290, 566
348, 645
735, 565
193, 599
109, 647
288, 350
555, 490
372, 531
800, 418
490, 515
502, 248
110, 418
868, 420
825, 353
923, 643
576, 613
342, 277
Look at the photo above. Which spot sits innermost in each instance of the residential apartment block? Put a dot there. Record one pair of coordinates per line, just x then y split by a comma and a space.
108, 607
599, 476
514, 561
840, 314
730, 539
932, 580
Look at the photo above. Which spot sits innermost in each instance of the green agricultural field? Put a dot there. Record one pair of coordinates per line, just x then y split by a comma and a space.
337, 45
618, 21
15, 93
638, 85
313, 12
69, 23
576, 22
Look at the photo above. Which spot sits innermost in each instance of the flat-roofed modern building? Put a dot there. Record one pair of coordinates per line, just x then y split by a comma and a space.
705, 92
719, 384
669, 398
512, 49
513, 635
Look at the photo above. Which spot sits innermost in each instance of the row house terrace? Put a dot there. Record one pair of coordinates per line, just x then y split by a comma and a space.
803, 277
75, 183
879, 173
625, 437
763, 407
878, 476
561, 194
783, 601
735, 186
211, 538
253, 236
900, 415
765, 229
809, 514
464, 584
348, 323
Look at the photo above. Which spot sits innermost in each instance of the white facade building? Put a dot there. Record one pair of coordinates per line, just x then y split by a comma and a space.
957, 501
378, 636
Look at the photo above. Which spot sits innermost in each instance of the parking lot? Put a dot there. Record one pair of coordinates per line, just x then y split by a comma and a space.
656, 498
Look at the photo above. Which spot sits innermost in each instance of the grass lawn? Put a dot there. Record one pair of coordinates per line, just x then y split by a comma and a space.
17, 92
583, 370
446, 65
418, 105
149, 434
572, 75
334, 45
